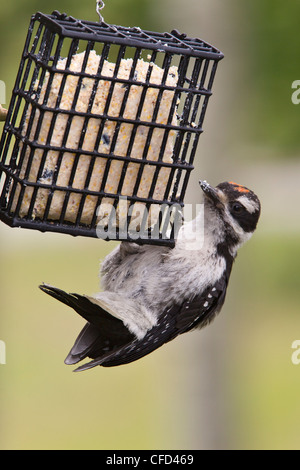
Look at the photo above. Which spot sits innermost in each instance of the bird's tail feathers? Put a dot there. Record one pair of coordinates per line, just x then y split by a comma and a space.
100, 335
81, 304
84, 344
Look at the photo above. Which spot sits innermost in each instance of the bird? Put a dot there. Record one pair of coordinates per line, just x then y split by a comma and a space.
151, 294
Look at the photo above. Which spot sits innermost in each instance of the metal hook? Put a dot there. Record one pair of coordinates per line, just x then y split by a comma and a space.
99, 6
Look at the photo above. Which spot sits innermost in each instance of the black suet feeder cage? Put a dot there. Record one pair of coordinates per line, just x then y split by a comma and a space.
102, 129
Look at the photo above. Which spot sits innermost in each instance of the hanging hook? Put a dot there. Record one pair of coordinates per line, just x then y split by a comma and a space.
99, 6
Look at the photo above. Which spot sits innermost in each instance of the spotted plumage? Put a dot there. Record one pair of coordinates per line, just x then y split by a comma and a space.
152, 294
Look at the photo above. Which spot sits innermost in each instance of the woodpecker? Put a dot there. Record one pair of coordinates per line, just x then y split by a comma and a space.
151, 294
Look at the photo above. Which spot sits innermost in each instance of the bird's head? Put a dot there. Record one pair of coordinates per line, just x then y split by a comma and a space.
232, 211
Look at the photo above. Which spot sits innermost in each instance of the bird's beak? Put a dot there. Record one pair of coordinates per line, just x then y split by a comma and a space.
211, 193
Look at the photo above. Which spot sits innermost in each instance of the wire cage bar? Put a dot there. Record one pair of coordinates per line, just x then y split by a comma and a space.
102, 129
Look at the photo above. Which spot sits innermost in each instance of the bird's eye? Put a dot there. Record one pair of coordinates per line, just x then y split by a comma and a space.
237, 208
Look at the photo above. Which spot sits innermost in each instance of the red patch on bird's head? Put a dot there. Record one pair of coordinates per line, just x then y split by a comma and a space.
239, 187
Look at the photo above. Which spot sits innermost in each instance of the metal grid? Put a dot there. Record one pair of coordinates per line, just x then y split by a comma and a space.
104, 146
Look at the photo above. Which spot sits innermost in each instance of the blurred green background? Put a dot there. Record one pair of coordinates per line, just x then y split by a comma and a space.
233, 385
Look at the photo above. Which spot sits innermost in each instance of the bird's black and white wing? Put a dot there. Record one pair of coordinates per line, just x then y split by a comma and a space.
107, 341
176, 320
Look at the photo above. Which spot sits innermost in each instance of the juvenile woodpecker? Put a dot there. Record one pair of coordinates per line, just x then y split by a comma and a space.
151, 294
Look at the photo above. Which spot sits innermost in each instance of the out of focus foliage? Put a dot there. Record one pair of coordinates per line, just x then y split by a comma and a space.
272, 49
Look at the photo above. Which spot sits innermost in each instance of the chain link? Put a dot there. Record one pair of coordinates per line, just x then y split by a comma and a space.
99, 6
